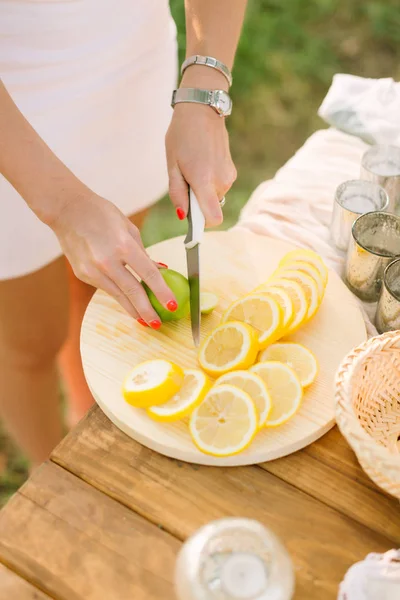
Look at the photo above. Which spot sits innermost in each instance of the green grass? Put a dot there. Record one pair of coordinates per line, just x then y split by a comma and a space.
288, 54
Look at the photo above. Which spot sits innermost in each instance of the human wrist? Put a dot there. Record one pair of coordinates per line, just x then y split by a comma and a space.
56, 196
203, 77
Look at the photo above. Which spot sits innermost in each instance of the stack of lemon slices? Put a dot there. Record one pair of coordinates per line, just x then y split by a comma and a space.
248, 379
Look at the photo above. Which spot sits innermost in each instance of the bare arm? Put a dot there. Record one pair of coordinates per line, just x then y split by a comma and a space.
96, 237
197, 142
44, 182
213, 28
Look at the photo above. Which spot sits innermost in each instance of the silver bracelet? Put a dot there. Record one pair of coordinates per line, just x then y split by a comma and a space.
208, 61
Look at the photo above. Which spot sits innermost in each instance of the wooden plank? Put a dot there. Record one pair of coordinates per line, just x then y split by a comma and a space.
181, 497
75, 543
12, 586
329, 471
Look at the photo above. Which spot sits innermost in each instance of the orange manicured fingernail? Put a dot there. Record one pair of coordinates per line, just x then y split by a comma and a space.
155, 324
172, 305
163, 265
142, 322
180, 213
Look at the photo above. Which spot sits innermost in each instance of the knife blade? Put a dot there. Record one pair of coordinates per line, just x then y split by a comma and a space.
196, 225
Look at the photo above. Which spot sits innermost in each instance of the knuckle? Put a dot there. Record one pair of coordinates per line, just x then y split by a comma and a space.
227, 179
124, 246
151, 274
130, 291
85, 273
100, 261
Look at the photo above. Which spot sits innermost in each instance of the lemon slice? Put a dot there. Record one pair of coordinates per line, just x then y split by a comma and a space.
284, 389
309, 286
284, 301
254, 386
229, 347
194, 387
208, 302
298, 298
307, 268
152, 382
309, 257
296, 356
261, 312
225, 423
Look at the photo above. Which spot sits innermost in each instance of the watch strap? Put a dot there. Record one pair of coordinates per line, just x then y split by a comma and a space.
208, 61
195, 95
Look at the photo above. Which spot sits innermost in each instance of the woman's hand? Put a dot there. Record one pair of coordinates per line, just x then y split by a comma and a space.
198, 155
100, 243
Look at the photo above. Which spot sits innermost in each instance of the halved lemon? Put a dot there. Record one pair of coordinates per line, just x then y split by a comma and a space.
208, 302
229, 347
254, 386
308, 256
296, 356
225, 423
152, 382
307, 268
194, 387
284, 389
298, 298
261, 312
309, 287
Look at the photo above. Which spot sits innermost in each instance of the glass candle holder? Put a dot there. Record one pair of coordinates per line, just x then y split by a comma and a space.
374, 243
381, 164
388, 310
234, 559
352, 199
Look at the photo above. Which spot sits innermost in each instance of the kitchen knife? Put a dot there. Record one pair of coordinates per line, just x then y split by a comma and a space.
196, 225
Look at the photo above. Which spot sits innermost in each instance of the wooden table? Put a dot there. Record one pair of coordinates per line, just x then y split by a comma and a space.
105, 517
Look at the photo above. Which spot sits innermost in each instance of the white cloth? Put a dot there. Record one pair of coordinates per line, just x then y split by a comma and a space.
367, 108
296, 205
94, 78
377, 577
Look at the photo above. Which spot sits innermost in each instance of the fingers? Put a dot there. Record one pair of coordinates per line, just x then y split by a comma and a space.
134, 292
209, 203
209, 189
105, 283
179, 192
112, 276
149, 272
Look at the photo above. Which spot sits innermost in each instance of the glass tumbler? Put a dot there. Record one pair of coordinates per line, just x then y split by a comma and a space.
381, 164
234, 559
374, 243
388, 311
352, 199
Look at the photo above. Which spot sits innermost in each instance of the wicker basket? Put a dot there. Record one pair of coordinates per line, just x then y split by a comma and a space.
368, 408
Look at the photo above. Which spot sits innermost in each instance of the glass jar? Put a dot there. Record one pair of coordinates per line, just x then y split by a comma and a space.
234, 559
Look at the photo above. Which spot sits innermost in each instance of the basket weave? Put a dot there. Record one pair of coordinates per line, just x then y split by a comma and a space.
367, 399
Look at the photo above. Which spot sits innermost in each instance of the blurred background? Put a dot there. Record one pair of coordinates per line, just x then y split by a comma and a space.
288, 54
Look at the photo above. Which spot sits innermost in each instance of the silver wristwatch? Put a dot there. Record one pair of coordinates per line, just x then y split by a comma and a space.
219, 100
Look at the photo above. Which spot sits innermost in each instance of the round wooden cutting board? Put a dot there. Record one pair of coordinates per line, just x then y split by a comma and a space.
232, 264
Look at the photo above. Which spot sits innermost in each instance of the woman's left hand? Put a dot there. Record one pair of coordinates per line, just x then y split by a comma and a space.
198, 155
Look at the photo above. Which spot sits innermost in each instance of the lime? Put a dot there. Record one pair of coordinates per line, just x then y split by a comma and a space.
208, 302
179, 285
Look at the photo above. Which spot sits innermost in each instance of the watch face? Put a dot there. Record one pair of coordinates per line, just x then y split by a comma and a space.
223, 103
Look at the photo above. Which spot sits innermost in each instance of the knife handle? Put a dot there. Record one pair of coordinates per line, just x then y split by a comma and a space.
196, 222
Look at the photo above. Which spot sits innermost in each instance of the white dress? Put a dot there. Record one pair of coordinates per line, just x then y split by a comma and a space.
94, 78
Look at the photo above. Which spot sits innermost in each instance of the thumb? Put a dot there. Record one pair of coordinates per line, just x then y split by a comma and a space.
179, 192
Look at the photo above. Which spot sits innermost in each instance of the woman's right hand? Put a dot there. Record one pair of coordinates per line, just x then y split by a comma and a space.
100, 243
